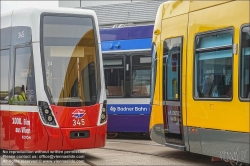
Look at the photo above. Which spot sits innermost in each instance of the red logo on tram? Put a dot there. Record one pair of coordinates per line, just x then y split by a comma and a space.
78, 113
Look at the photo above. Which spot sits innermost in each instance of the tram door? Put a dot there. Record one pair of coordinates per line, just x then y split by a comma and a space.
171, 91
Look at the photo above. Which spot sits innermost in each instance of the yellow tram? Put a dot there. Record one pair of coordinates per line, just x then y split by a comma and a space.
200, 95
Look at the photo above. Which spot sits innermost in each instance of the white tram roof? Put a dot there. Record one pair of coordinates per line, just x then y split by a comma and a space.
30, 17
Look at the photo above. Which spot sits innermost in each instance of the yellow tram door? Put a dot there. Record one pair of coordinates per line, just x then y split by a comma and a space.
172, 114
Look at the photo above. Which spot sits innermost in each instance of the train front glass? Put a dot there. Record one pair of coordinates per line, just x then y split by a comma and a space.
70, 63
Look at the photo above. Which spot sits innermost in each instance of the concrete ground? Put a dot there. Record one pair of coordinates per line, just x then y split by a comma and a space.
116, 152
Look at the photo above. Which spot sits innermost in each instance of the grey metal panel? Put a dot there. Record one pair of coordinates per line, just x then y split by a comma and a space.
157, 134
225, 144
87, 3
194, 140
70, 4
127, 12
21, 30
128, 101
5, 37
185, 137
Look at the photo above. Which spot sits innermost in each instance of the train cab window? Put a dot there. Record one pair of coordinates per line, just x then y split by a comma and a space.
114, 76
141, 70
245, 62
213, 65
24, 87
4, 71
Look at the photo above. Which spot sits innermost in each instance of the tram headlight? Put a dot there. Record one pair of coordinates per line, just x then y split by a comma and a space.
103, 116
46, 114
50, 118
47, 111
103, 109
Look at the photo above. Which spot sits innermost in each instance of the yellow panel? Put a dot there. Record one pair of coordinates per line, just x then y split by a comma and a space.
157, 25
175, 8
201, 4
177, 26
225, 115
156, 116
174, 27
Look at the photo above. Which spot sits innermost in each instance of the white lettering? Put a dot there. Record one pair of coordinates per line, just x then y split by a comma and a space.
18, 130
24, 130
113, 109
234, 155
140, 109
124, 109
174, 113
78, 122
26, 137
26, 122
128, 108
16, 121
21, 34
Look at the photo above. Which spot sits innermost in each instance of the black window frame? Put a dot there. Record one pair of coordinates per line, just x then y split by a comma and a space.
243, 99
203, 34
116, 56
14, 74
131, 73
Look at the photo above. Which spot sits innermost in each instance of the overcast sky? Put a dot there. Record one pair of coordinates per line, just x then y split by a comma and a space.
10, 5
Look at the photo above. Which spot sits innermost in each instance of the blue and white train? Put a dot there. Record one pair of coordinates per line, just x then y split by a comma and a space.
127, 68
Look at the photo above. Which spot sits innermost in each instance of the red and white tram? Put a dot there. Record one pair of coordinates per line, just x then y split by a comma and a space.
52, 88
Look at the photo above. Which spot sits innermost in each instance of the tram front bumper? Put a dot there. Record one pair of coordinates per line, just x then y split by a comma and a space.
77, 138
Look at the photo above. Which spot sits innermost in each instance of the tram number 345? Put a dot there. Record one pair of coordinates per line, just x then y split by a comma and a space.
78, 122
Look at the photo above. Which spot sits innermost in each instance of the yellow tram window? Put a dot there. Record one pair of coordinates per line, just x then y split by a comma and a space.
213, 65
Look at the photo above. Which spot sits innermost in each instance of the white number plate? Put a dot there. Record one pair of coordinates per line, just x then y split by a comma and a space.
78, 122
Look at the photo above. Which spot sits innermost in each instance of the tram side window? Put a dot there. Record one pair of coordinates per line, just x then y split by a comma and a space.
4, 71
141, 70
114, 76
24, 88
213, 65
245, 62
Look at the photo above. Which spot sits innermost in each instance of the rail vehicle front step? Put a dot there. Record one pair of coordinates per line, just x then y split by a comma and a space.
179, 147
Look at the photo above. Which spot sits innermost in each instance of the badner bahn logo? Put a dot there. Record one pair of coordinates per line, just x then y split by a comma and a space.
113, 109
